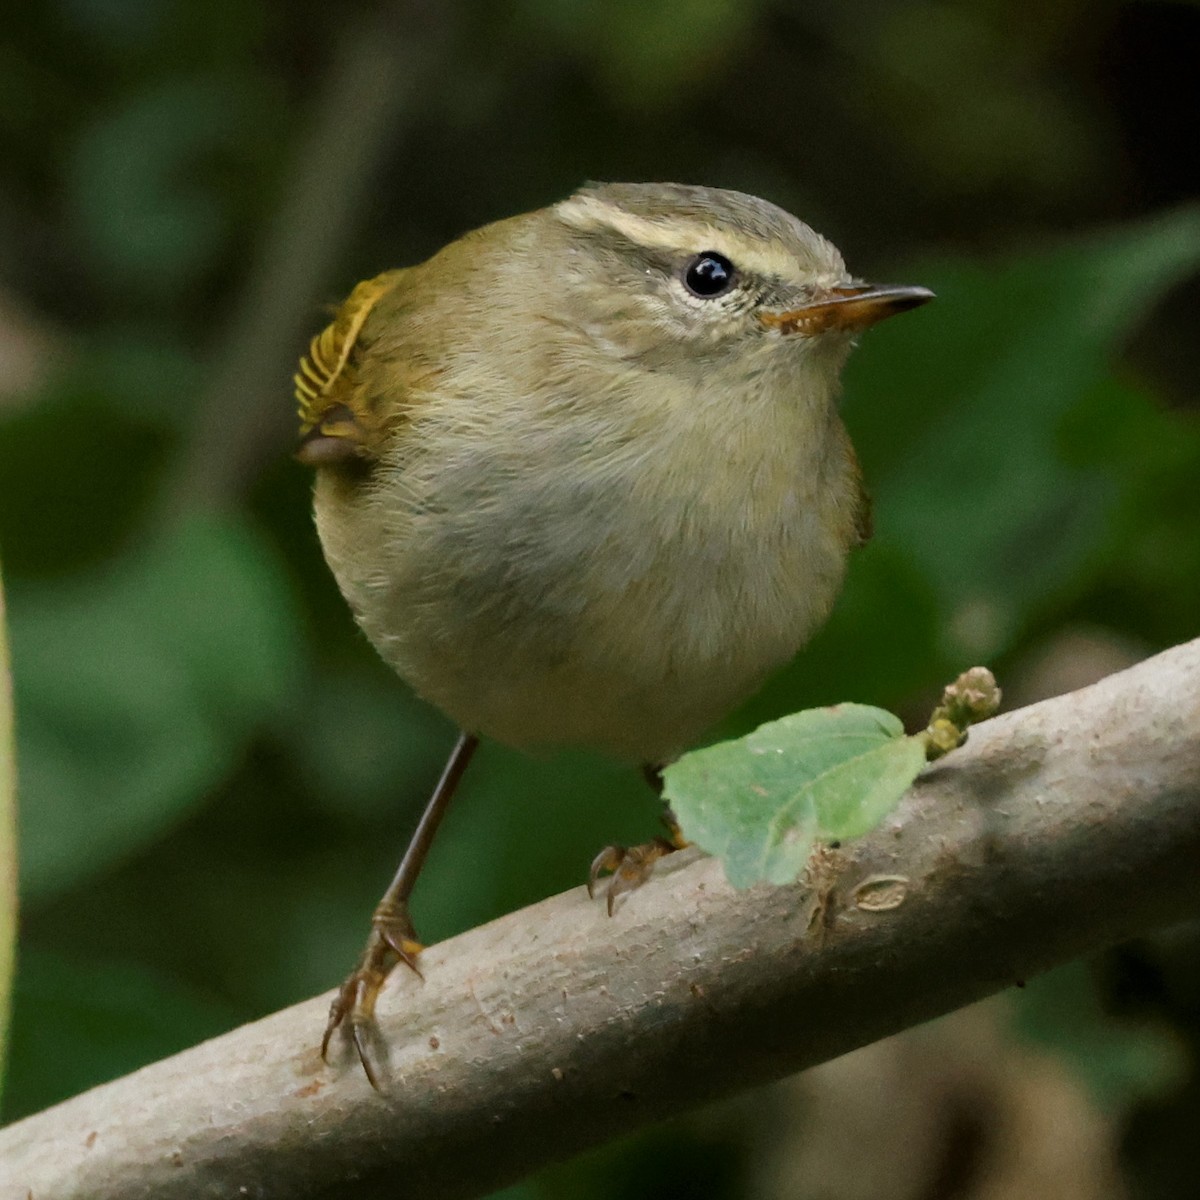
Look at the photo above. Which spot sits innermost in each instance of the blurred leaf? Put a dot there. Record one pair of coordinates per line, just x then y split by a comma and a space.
1121, 1061
140, 372
78, 469
138, 690
375, 748
967, 401
77, 1024
123, 23
1150, 563
149, 185
648, 50
8, 840
760, 802
946, 71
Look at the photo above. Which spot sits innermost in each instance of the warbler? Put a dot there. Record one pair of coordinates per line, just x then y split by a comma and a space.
582, 480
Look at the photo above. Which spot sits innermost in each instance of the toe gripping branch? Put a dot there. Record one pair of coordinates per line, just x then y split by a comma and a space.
393, 940
631, 866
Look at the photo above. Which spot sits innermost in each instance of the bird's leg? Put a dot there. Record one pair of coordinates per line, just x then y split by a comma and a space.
630, 866
393, 938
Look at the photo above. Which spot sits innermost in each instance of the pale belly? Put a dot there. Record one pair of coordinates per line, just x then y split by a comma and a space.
627, 616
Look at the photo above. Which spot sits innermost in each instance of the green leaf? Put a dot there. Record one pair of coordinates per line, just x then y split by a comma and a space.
64, 506
139, 687
962, 445
760, 802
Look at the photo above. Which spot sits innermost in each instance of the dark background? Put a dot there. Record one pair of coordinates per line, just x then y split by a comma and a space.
217, 776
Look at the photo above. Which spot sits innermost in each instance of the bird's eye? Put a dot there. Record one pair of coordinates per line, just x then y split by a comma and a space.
709, 274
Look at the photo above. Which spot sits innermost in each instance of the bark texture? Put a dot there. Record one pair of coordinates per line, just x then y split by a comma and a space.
1056, 830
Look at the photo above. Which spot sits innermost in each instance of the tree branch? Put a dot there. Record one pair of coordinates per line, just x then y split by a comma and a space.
1057, 830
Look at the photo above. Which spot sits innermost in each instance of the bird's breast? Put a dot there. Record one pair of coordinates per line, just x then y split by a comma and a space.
603, 578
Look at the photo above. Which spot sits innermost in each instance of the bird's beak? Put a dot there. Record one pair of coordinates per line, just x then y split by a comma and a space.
848, 308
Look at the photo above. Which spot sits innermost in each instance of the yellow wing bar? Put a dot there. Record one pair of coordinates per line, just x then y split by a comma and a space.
324, 380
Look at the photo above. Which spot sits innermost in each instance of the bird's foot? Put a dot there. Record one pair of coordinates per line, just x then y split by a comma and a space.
393, 940
630, 866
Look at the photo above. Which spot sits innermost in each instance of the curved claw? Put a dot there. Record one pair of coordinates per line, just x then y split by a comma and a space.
357, 1029
392, 940
630, 867
609, 859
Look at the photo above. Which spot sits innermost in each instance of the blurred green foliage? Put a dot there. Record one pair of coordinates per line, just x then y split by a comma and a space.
190, 641
216, 774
